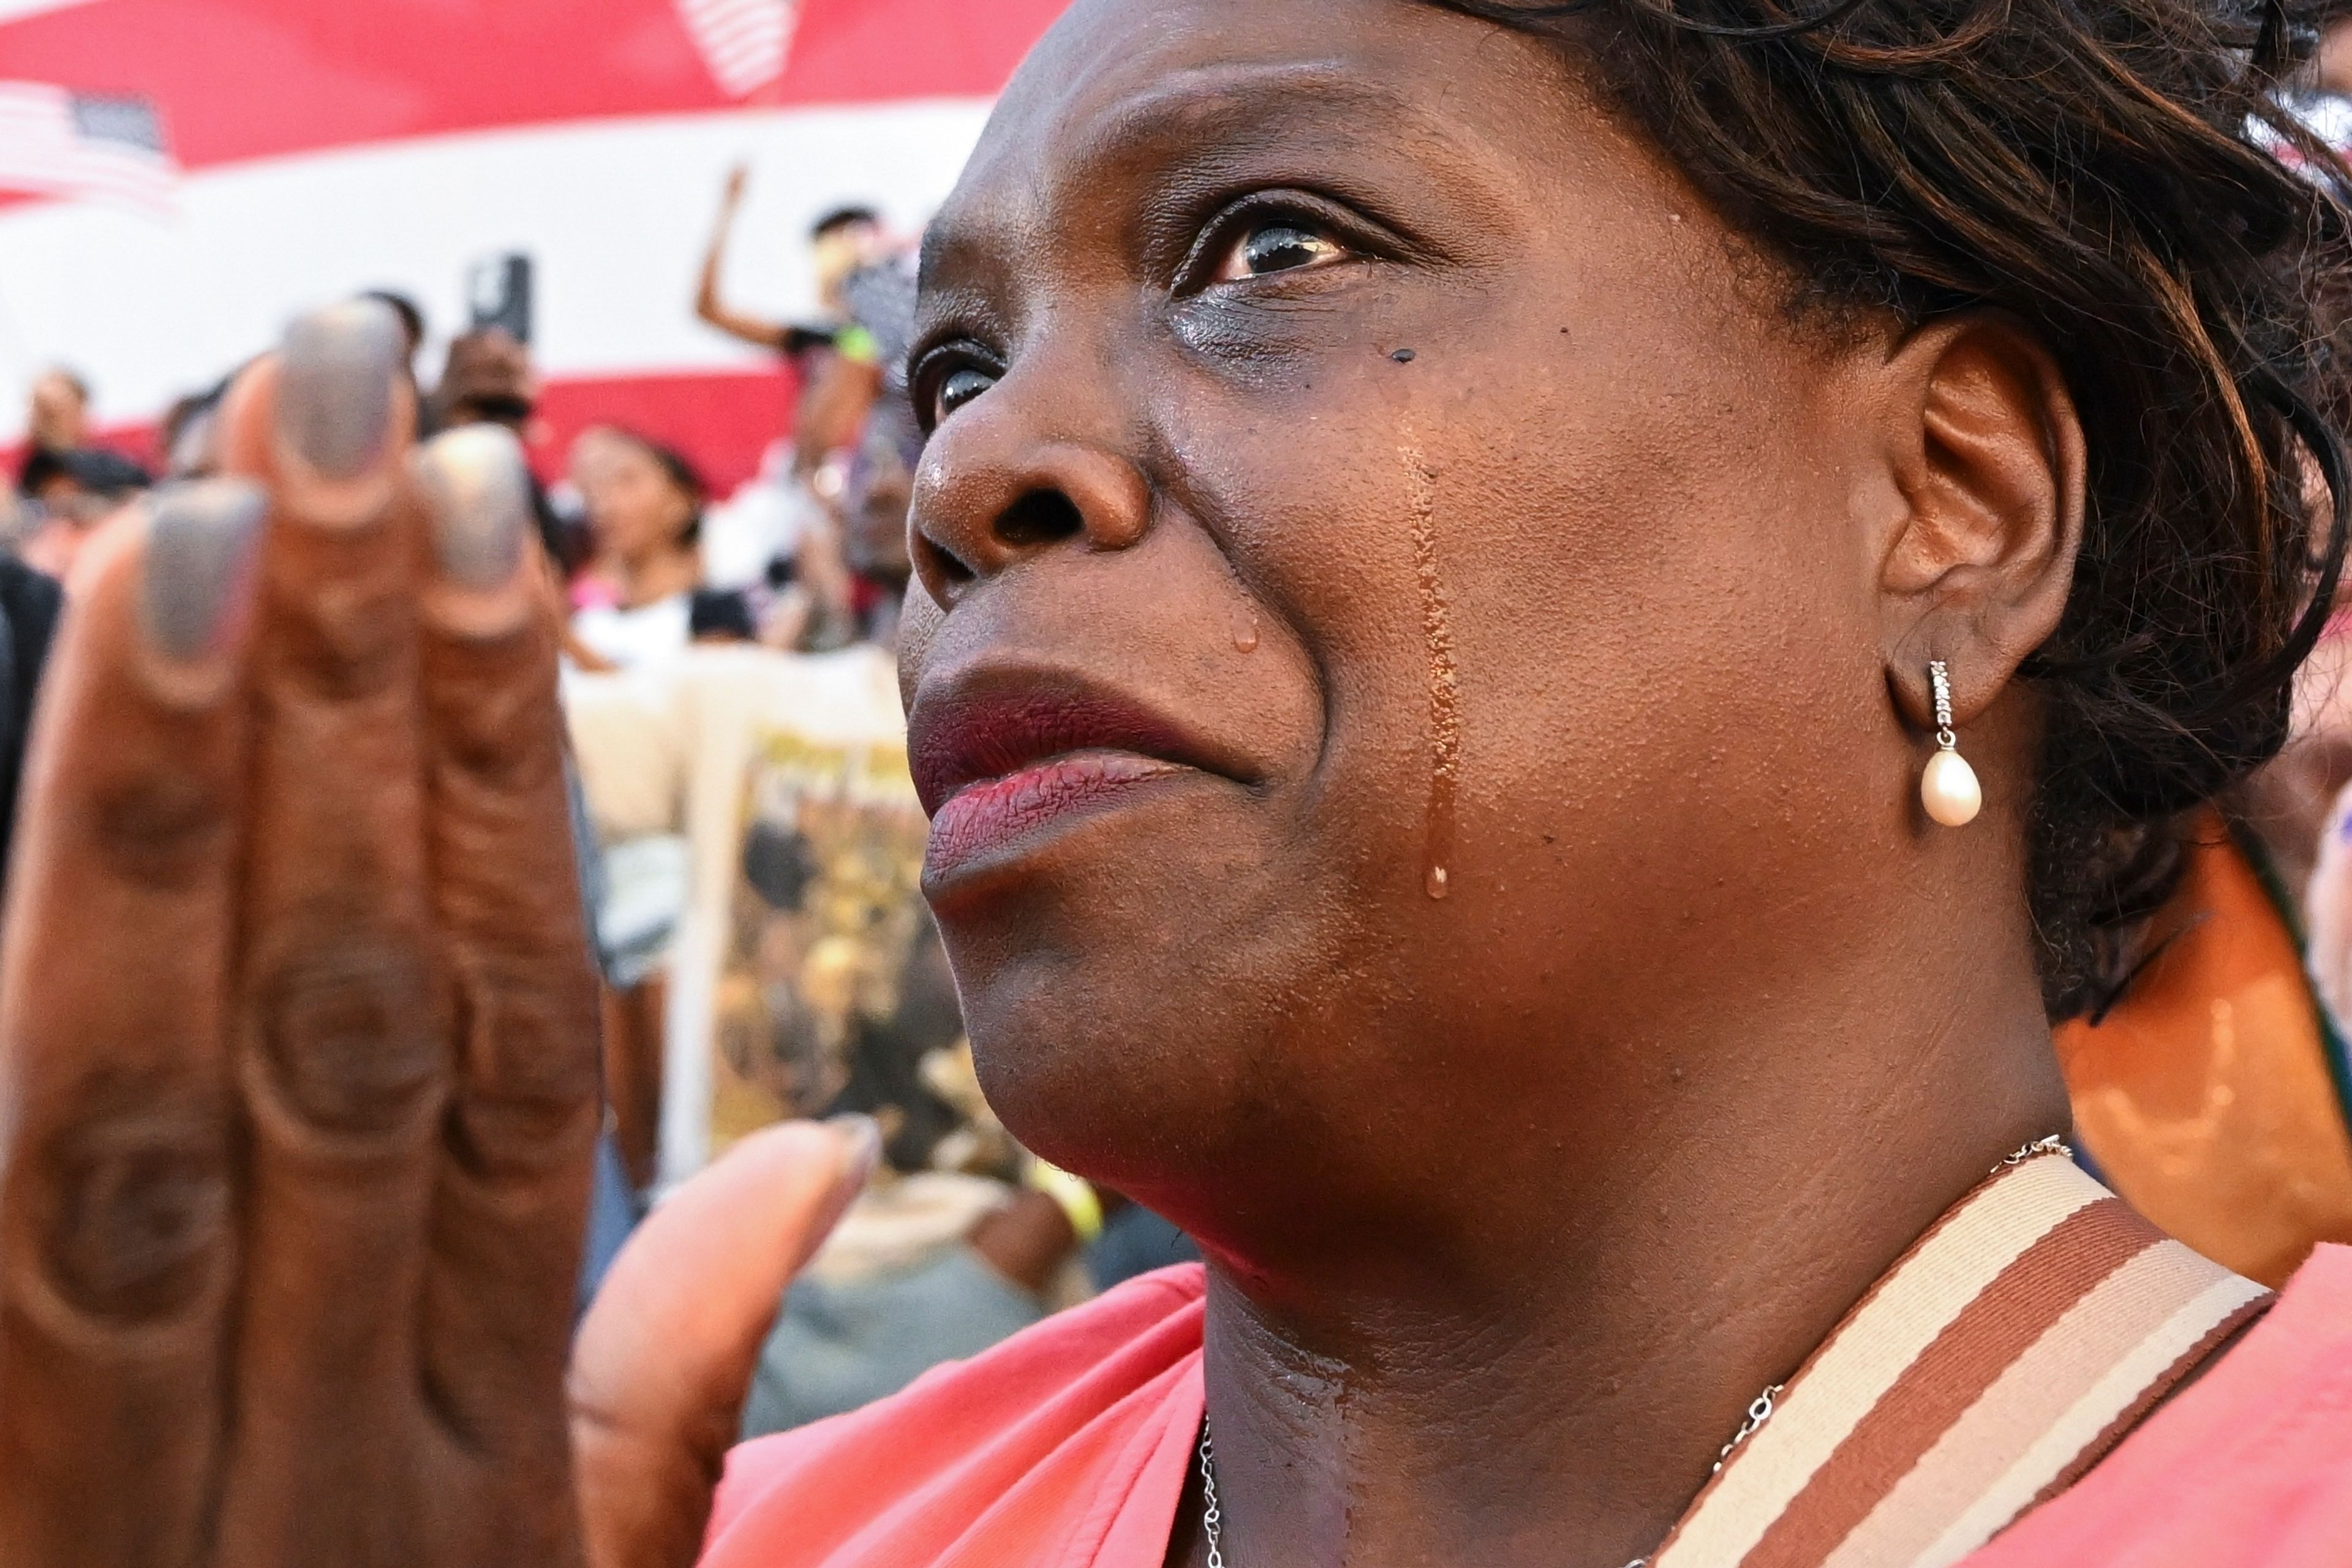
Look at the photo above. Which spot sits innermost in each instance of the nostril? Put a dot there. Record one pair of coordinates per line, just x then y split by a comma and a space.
949, 566
1041, 517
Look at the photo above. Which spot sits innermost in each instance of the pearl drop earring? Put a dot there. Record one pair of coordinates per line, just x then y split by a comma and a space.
1949, 789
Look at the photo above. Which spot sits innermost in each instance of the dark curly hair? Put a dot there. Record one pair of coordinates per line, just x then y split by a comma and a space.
2097, 168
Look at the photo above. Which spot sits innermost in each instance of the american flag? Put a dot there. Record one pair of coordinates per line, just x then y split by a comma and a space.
743, 42
56, 142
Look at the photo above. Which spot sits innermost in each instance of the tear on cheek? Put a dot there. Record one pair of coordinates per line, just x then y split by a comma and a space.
1444, 686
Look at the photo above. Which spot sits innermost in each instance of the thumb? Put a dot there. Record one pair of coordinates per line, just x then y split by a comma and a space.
662, 1362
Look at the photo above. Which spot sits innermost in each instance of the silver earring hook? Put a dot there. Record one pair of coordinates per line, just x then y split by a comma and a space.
1948, 789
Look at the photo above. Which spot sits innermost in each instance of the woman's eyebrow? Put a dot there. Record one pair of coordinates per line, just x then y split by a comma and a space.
1190, 120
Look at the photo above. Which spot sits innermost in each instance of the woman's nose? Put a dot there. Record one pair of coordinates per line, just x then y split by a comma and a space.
988, 496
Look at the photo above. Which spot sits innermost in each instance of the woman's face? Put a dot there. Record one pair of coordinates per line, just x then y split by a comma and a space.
1339, 410
634, 507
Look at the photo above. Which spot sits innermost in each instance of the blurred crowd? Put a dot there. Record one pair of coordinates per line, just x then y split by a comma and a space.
751, 841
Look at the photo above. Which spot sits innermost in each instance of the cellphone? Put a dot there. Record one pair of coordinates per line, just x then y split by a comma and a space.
498, 294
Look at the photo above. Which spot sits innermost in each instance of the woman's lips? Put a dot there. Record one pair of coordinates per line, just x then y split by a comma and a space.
1003, 757
985, 818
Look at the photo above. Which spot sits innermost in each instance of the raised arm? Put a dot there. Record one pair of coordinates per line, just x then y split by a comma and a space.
707, 306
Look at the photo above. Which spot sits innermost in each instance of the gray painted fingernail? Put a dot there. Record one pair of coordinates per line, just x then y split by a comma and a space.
335, 387
201, 539
478, 489
861, 1145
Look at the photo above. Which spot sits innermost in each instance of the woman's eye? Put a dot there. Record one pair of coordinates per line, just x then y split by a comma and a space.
1279, 247
959, 387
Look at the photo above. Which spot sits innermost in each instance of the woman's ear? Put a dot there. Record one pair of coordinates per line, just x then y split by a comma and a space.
1988, 460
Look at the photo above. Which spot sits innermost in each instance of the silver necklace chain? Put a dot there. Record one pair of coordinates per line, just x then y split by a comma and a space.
1759, 1409
1213, 1523
2053, 1144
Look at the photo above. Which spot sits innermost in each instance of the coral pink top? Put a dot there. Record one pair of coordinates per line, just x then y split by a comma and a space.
2251, 1468
1066, 1446
1069, 1446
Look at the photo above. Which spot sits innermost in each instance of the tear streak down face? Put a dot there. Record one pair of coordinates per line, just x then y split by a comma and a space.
1389, 595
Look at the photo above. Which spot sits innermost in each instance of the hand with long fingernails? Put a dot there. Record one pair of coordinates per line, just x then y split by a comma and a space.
299, 1045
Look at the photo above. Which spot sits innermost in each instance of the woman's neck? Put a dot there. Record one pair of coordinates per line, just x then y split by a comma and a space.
655, 575
1550, 1381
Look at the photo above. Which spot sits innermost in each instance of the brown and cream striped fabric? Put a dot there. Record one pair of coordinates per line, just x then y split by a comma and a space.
1994, 1364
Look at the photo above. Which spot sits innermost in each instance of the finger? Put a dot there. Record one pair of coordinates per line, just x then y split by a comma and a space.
117, 1242
341, 1049
666, 1356
521, 1137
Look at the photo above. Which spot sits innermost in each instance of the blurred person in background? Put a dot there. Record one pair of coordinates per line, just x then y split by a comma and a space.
881, 486
65, 492
2211, 1085
2323, 99
2319, 96
58, 416
629, 565
489, 378
69, 492
836, 355
842, 367
30, 601
863, 578
56, 420
633, 603
842, 242
584, 464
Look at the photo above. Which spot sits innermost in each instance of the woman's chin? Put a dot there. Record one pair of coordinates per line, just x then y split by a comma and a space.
1102, 1061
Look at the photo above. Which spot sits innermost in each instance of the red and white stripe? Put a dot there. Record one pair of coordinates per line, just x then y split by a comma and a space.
743, 42
329, 148
45, 150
